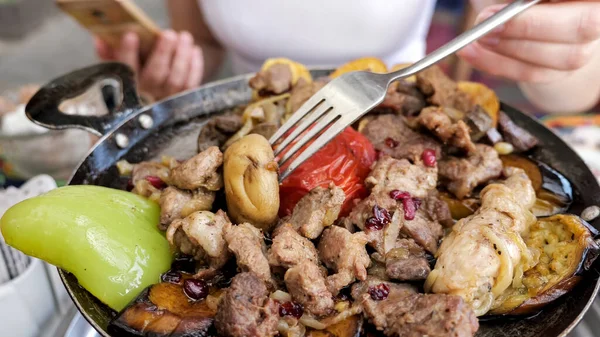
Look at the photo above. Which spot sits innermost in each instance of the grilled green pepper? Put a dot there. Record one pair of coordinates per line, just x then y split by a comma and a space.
107, 238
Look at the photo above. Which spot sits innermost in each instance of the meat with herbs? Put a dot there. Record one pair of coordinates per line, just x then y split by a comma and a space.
390, 135
407, 261
520, 138
345, 253
246, 309
302, 91
317, 210
276, 79
218, 130
202, 170
306, 284
290, 248
390, 174
462, 175
438, 210
441, 90
248, 245
423, 230
403, 98
405, 313
177, 204
204, 231
149, 169
441, 125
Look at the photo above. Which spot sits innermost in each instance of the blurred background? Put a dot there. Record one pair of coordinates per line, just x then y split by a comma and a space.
38, 42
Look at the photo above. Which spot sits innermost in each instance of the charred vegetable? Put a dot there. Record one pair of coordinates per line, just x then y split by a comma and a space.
520, 138
350, 327
566, 247
167, 310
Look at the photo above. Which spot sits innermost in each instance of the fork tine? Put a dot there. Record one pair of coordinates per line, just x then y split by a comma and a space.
319, 111
310, 134
307, 107
335, 129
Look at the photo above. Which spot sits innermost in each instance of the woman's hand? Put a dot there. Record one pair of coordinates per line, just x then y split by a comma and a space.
546, 43
175, 63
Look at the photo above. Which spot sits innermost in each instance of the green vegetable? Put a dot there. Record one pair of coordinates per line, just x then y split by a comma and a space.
107, 238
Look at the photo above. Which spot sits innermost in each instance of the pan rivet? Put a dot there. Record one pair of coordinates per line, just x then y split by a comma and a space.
146, 121
121, 140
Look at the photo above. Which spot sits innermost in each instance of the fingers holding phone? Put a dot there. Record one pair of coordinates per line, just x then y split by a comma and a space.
173, 65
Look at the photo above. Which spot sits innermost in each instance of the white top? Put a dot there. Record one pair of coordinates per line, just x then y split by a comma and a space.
319, 32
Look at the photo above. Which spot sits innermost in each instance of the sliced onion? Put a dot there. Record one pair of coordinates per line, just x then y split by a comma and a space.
311, 322
431, 278
124, 167
281, 296
212, 301
506, 272
391, 232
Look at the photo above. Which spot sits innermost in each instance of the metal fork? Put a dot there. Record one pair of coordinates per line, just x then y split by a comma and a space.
345, 99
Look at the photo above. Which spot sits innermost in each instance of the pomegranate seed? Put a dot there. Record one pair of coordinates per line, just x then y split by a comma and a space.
382, 215
129, 185
373, 224
291, 309
409, 208
428, 157
171, 276
418, 203
399, 195
391, 143
156, 182
379, 292
195, 289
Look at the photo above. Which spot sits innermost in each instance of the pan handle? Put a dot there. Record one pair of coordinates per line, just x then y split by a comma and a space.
43, 108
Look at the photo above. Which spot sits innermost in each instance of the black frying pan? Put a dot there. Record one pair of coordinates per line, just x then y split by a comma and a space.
171, 127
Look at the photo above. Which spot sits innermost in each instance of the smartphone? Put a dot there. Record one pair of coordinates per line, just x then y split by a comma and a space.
110, 19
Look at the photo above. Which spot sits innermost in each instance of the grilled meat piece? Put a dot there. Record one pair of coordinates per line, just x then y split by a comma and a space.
248, 245
290, 248
317, 210
306, 284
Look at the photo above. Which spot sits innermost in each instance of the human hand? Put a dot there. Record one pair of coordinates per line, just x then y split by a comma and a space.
174, 64
546, 43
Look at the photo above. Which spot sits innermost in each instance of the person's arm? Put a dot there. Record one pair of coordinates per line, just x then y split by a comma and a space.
552, 50
185, 15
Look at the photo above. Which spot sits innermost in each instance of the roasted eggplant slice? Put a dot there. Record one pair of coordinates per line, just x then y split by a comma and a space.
566, 247
350, 327
164, 310
460, 208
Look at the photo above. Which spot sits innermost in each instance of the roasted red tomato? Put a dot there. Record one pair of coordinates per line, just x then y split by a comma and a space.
345, 161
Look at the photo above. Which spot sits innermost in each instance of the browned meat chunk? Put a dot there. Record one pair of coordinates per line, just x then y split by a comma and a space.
218, 130
290, 248
479, 123
248, 245
307, 286
464, 174
200, 171
390, 135
439, 123
403, 98
344, 253
423, 230
390, 174
177, 204
276, 79
520, 138
302, 91
246, 309
438, 210
317, 210
407, 262
406, 313
205, 232
149, 169
441, 90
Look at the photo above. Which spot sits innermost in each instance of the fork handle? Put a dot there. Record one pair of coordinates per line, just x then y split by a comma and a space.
465, 38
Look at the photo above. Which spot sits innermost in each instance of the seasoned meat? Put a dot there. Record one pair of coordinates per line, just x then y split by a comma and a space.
248, 245
520, 138
177, 204
464, 174
317, 210
345, 254
205, 231
246, 309
302, 91
441, 90
290, 248
306, 285
390, 135
407, 261
200, 171
149, 169
266, 129
404, 99
453, 133
438, 210
406, 313
490, 241
390, 174
217, 130
423, 230
276, 79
